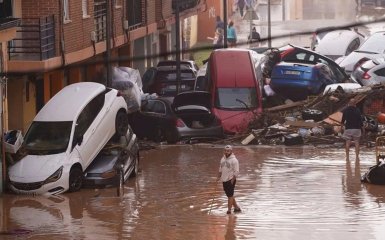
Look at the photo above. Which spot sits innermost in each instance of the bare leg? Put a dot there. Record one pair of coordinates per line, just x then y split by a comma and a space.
357, 148
235, 205
347, 146
230, 203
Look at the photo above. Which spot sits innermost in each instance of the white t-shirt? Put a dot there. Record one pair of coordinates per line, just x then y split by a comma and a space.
229, 168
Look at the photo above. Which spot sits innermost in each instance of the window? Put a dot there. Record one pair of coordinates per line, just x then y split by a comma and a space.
66, 10
87, 116
85, 8
118, 3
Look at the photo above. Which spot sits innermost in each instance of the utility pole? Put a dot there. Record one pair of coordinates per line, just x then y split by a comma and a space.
269, 23
225, 23
177, 42
108, 43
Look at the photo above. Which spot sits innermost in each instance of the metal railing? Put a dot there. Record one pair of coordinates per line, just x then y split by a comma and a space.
35, 39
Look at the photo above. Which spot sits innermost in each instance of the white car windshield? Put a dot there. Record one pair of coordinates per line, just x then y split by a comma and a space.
236, 98
45, 138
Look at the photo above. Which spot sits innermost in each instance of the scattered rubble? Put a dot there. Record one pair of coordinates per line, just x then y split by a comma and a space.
316, 120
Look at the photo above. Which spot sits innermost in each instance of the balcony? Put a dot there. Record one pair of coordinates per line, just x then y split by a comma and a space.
184, 4
7, 23
34, 41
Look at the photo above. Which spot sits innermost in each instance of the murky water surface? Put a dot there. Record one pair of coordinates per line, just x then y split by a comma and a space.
285, 193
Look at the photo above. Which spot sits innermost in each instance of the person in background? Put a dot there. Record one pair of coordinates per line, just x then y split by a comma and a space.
254, 38
241, 6
228, 172
231, 34
219, 23
354, 127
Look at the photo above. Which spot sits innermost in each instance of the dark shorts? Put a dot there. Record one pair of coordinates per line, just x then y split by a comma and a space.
229, 188
232, 40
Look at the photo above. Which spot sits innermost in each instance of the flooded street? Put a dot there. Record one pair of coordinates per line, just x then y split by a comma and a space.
284, 193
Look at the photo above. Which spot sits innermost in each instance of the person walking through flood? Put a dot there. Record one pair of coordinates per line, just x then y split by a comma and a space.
228, 172
354, 127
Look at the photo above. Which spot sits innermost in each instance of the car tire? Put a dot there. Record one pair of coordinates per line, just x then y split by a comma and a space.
121, 124
75, 179
312, 114
370, 123
293, 139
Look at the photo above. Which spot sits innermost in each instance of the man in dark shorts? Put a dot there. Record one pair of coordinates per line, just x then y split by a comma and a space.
352, 119
228, 172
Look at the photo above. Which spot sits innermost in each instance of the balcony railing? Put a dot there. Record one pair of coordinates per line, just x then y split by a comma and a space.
35, 40
184, 4
6, 23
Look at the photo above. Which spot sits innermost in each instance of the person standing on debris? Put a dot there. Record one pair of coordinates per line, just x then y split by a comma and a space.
354, 127
231, 34
228, 172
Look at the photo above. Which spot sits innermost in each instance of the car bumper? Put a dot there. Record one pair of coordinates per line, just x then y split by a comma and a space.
204, 133
100, 182
57, 187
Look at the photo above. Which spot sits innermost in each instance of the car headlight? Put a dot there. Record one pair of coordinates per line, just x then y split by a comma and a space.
55, 176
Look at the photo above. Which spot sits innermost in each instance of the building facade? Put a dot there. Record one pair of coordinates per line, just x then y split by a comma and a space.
59, 42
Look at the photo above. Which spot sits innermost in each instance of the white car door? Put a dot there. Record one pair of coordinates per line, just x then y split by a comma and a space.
89, 137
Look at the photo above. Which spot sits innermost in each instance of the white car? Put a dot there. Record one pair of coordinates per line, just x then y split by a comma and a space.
371, 72
339, 43
65, 137
373, 47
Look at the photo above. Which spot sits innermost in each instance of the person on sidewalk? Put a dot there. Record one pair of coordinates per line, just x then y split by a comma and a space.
241, 6
231, 34
228, 172
354, 127
219, 23
254, 39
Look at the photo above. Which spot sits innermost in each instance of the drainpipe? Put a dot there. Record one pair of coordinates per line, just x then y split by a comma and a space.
177, 42
61, 33
108, 43
3, 173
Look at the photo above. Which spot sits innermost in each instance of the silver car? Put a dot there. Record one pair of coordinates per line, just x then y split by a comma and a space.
371, 72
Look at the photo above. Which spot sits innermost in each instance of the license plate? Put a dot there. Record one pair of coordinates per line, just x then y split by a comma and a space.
292, 72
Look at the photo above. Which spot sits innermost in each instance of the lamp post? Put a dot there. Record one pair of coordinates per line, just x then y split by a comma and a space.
269, 23
177, 43
108, 43
225, 23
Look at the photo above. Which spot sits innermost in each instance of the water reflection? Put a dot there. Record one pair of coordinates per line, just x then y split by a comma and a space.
285, 193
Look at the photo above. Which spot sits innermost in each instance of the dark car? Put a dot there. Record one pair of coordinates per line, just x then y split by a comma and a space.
187, 63
188, 117
115, 163
163, 80
297, 81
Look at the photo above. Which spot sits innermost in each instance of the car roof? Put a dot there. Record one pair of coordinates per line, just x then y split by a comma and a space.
336, 42
68, 102
374, 43
173, 68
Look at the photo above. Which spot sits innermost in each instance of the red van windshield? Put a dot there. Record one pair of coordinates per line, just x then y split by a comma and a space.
236, 98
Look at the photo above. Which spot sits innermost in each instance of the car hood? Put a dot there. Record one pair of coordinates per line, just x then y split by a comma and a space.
35, 168
197, 98
102, 163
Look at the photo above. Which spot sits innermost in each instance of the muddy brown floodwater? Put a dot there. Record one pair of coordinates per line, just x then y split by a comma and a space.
285, 193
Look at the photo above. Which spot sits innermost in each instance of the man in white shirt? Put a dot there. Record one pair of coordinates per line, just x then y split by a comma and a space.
228, 172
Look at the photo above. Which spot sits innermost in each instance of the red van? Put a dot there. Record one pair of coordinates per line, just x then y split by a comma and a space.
235, 89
